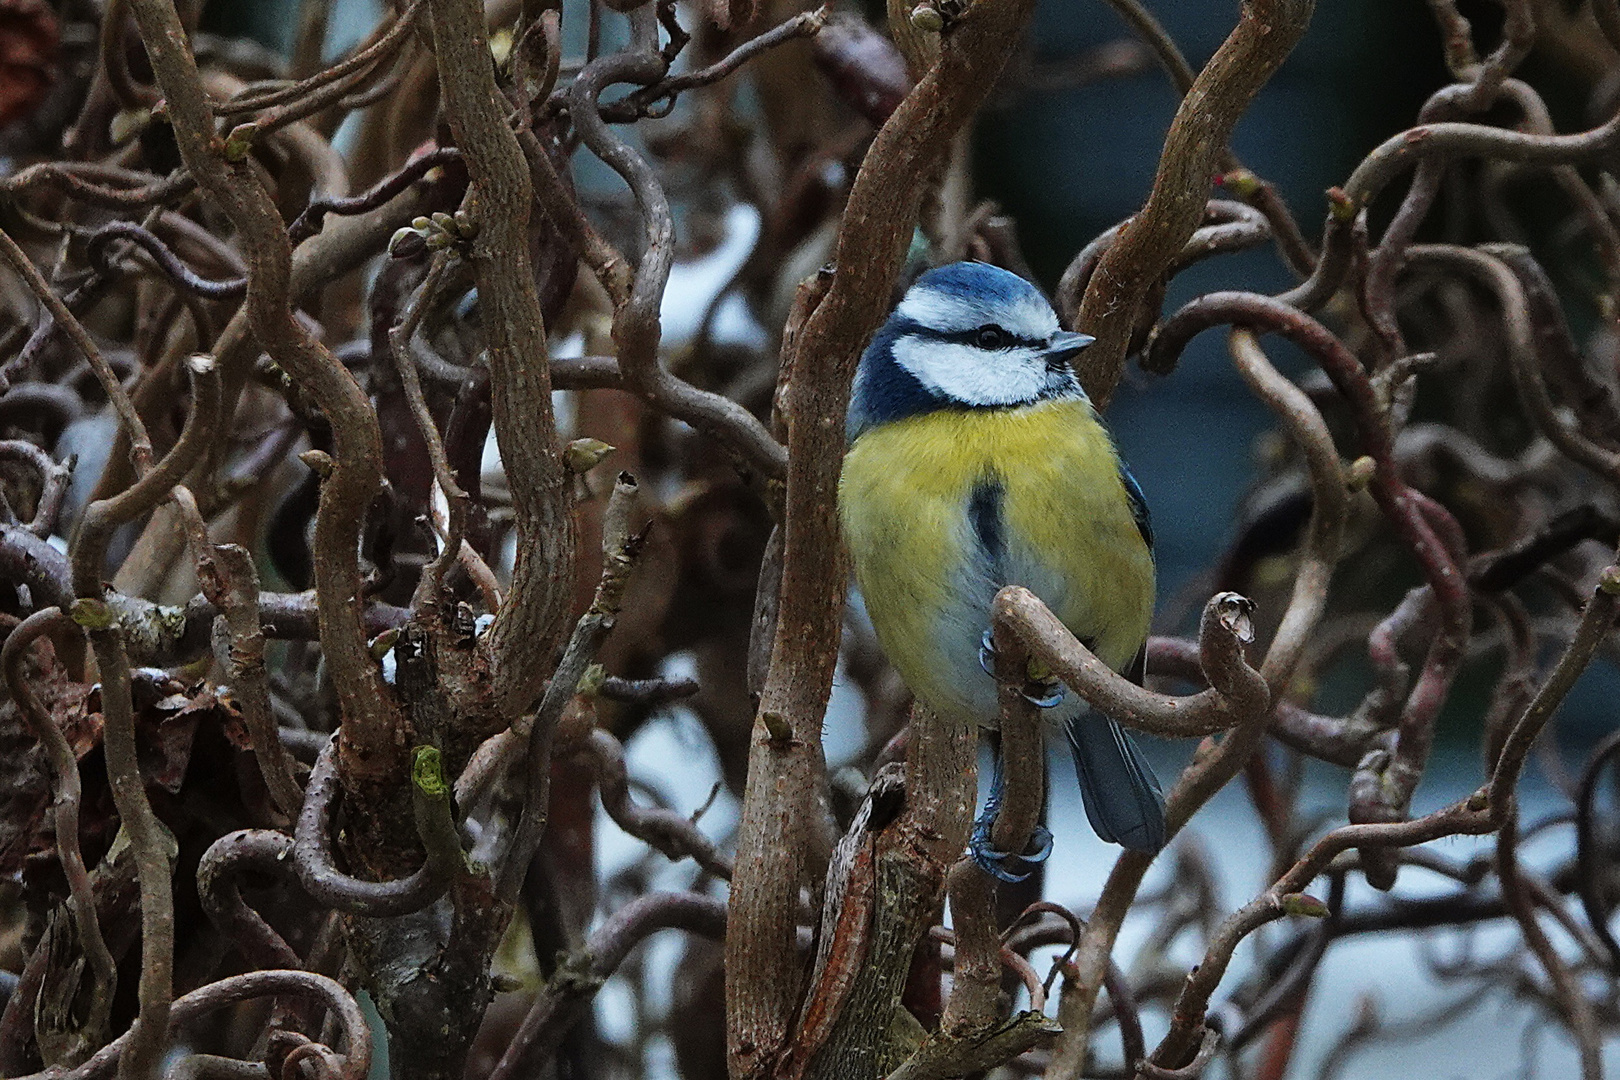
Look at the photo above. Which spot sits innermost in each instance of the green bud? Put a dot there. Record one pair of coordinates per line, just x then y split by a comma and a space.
427, 772
1340, 204
319, 462
927, 18
238, 143
405, 242
92, 614
378, 646
1360, 473
127, 124
1241, 182
777, 725
1299, 903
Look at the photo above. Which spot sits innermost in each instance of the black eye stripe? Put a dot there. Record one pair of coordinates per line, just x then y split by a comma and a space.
971, 337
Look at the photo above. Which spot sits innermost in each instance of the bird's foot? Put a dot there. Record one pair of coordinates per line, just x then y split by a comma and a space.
987, 653
1040, 690
1043, 695
1000, 864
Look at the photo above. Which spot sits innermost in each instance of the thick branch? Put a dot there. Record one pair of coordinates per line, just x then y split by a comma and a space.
531, 623
370, 718
776, 838
1266, 33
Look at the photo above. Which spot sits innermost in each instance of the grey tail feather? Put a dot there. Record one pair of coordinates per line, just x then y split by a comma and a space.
1120, 792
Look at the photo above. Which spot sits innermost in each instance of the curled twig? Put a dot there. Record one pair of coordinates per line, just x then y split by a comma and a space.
352, 1064
318, 871
217, 887
98, 247
673, 834
570, 991
1236, 691
53, 479
309, 222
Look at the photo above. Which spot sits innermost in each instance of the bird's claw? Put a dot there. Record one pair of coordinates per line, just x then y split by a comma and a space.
1041, 693
994, 862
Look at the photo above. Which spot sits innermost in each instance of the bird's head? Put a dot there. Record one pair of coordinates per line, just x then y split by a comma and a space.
966, 336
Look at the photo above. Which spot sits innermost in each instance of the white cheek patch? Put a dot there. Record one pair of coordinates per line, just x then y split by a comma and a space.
971, 375
1026, 316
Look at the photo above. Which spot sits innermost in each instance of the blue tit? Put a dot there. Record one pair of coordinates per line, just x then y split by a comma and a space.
976, 461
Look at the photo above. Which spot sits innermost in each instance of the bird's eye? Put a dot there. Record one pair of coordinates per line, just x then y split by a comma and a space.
991, 337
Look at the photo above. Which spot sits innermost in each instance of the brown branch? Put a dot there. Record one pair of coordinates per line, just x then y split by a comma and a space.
1266, 33
399, 339
317, 869
151, 842
778, 843
149, 839
353, 1064
1491, 267
636, 328
161, 634
369, 715
532, 622
1330, 507
1223, 631
974, 1006
262, 850
102, 517
1459, 140
140, 446
1426, 528
1210, 1043
79, 181
675, 835
1236, 691
1594, 626
644, 102
1588, 856
229, 580
940, 1057
53, 482
570, 991
313, 218
390, 35
1573, 1005
1286, 897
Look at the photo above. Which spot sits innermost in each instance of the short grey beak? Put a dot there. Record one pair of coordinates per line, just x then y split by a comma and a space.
1065, 344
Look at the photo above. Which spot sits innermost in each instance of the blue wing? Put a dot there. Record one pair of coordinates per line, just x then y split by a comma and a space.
1139, 507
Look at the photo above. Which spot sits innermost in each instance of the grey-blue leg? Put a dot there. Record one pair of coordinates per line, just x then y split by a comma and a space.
1120, 792
994, 862
1043, 694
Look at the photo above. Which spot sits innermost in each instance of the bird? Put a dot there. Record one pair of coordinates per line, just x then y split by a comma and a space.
975, 460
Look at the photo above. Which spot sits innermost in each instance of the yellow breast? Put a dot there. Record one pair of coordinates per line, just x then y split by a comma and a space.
1066, 532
